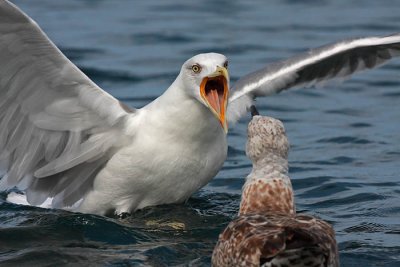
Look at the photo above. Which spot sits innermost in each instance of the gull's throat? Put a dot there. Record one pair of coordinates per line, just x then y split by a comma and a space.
214, 90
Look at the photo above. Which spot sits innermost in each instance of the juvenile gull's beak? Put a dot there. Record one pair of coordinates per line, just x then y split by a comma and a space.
214, 90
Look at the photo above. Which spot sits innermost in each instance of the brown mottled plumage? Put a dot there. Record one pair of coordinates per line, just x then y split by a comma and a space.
268, 232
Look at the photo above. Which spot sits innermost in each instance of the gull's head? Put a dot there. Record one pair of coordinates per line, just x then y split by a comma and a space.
206, 78
266, 136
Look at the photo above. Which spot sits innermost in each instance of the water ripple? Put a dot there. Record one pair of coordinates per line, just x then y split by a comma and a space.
346, 111
391, 94
232, 49
161, 37
344, 140
367, 227
334, 161
360, 125
356, 198
328, 189
75, 54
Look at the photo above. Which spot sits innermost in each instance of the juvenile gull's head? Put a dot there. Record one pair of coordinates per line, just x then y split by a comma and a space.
266, 135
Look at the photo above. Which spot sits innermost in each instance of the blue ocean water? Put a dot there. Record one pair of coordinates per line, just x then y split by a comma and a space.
345, 141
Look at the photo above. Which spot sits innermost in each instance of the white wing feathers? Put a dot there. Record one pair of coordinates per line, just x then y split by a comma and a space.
317, 66
57, 128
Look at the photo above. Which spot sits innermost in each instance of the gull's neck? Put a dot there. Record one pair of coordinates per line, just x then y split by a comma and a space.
181, 115
268, 189
270, 162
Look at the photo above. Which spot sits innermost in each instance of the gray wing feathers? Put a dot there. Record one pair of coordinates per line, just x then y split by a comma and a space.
78, 152
317, 66
57, 128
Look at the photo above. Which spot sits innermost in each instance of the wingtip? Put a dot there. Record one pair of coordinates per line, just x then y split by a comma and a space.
254, 111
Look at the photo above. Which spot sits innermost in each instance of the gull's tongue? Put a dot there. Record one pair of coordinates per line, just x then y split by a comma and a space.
213, 99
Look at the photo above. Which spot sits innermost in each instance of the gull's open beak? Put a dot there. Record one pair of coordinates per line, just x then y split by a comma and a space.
214, 90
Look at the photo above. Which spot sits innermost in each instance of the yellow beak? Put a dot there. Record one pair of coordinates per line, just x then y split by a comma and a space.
215, 91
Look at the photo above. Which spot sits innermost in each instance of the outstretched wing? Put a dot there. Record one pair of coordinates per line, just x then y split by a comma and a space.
57, 128
316, 66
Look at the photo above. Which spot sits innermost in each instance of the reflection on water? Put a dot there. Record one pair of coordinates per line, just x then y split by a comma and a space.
345, 141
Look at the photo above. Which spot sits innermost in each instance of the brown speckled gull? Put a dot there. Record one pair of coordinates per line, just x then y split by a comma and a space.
268, 232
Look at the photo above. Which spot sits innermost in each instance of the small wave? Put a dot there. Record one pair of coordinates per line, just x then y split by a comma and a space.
345, 140
357, 198
161, 37
346, 111
384, 83
232, 152
360, 125
328, 189
333, 161
280, 108
391, 94
367, 227
80, 53
296, 169
232, 49
311, 181
231, 183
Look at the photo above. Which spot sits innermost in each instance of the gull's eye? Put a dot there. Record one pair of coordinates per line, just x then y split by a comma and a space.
196, 68
226, 64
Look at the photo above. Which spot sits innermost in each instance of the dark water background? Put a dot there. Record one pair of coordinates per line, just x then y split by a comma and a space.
345, 151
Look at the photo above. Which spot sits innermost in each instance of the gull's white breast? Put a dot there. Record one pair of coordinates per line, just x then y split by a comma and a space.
174, 154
